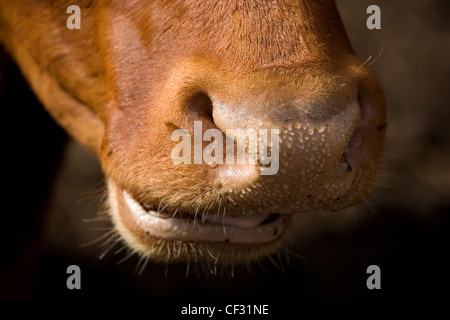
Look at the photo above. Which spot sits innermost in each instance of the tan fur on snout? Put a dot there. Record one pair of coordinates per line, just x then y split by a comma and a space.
134, 73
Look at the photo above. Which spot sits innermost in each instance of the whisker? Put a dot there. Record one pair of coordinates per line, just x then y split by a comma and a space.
248, 265
105, 252
195, 215
365, 62
369, 205
232, 266
394, 155
218, 210
144, 264
102, 229
102, 237
159, 207
379, 54
280, 261
166, 270
95, 219
176, 210
138, 265
262, 267
384, 185
224, 228
212, 256
270, 258
121, 249
128, 256
187, 268
294, 254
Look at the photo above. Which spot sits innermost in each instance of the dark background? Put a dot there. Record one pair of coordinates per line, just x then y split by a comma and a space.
51, 185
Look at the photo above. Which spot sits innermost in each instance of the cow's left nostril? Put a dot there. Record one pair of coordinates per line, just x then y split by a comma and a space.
199, 107
227, 167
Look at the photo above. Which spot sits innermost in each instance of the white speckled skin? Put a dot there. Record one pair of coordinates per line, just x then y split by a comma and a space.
309, 153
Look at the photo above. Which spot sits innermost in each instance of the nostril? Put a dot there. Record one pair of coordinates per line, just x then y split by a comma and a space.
199, 107
230, 174
353, 150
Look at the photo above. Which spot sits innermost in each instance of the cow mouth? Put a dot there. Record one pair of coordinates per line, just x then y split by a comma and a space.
180, 225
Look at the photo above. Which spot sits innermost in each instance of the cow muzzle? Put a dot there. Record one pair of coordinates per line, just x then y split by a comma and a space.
237, 163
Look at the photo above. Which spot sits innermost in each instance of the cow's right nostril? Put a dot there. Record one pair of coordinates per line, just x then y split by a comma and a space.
354, 150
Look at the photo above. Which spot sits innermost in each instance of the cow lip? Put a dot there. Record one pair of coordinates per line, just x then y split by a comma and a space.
250, 230
205, 217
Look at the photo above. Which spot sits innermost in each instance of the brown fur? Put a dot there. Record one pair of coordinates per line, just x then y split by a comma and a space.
121, 84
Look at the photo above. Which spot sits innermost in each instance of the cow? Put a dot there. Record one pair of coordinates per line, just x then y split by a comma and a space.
138, 71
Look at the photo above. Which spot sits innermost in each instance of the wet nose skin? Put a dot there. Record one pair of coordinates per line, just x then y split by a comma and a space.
308, 171
318, 161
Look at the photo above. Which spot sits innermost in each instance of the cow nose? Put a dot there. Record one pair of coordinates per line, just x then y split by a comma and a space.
304, 139
302, 149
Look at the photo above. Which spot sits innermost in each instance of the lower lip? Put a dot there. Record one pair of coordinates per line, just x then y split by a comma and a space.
195, 230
